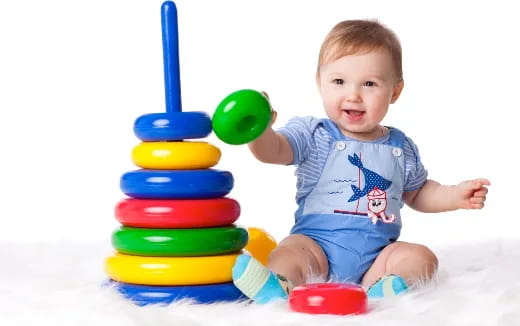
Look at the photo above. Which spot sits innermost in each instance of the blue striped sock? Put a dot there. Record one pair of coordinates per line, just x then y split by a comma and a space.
387, 286
257, 282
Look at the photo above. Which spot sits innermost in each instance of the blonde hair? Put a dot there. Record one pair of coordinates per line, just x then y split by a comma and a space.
360, 36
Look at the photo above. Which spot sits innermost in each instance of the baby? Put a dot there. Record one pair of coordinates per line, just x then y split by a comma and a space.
353, 177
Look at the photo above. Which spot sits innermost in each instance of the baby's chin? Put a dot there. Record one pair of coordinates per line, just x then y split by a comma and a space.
360, 132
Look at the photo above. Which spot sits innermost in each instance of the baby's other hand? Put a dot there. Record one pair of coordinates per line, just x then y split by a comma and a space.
273, 112
471, 194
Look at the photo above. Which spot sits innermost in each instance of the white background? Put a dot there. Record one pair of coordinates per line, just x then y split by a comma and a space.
74, 75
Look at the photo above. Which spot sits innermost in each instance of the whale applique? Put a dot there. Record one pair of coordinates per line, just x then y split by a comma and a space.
372, 180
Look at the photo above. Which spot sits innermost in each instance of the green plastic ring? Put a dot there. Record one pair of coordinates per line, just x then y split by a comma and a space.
241, 117
179, 242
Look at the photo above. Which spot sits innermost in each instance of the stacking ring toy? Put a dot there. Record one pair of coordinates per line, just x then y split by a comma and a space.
143, 295
170, 270
179, 242
260, 244
191, 213
241, 117
180, 184
328, 298
172, 126
175, 155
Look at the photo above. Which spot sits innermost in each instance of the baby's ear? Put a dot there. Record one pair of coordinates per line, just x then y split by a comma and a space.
398, 88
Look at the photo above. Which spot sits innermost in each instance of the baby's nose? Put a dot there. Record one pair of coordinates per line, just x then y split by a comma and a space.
353, 96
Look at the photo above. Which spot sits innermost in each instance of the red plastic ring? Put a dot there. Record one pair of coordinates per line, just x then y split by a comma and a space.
328, 298
188, 213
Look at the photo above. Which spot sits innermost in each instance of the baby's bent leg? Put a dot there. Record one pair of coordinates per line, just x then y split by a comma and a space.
293, 262
413, 262
299, 259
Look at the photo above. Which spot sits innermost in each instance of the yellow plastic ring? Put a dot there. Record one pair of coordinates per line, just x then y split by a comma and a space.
260, 244
170, 270
178, 155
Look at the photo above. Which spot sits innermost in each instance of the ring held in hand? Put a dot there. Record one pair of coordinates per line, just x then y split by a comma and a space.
241, 117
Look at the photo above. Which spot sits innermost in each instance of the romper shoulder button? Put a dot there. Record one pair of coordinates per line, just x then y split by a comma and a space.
397, 151
340, 146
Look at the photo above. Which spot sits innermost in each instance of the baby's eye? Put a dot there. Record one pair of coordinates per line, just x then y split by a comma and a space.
369, 83
338, 81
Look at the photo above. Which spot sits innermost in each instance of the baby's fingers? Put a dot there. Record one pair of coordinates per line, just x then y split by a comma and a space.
477, 200
477, 206
274, 114
479, 183
481, 193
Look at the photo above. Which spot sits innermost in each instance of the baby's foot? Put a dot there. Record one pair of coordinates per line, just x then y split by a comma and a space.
257, 282
387, 286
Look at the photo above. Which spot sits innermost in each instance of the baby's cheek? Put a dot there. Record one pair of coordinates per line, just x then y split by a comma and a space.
329, 103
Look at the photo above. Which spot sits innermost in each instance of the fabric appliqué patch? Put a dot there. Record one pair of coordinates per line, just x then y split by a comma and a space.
375, 190
377, 205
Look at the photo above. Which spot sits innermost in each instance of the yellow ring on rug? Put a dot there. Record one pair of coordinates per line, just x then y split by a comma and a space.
170, 270
178, 155
260, 244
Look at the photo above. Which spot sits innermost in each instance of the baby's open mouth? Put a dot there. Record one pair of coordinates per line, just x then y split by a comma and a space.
355, 113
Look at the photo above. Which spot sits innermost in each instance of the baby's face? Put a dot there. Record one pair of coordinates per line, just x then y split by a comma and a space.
357, 90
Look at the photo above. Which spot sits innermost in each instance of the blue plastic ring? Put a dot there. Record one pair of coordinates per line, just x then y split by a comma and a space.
177, 184
172, 126
144, 294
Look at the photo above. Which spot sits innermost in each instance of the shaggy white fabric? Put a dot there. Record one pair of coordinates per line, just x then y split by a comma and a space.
59, 284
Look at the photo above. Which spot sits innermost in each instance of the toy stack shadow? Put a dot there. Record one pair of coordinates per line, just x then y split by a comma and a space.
177, 240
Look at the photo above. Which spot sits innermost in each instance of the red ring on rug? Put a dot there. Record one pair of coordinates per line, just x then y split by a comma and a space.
182, 213
328, 298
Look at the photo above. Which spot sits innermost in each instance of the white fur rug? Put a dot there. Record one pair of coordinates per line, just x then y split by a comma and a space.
59, 284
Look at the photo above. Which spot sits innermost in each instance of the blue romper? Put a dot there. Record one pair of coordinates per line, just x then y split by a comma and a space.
353, 210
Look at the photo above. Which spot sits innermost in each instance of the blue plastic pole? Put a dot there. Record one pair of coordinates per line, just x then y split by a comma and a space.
170, 38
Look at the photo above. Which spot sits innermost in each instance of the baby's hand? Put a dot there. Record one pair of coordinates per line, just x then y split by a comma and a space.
471, 194
273, 112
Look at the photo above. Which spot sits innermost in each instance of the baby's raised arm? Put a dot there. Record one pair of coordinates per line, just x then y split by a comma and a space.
272, 147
